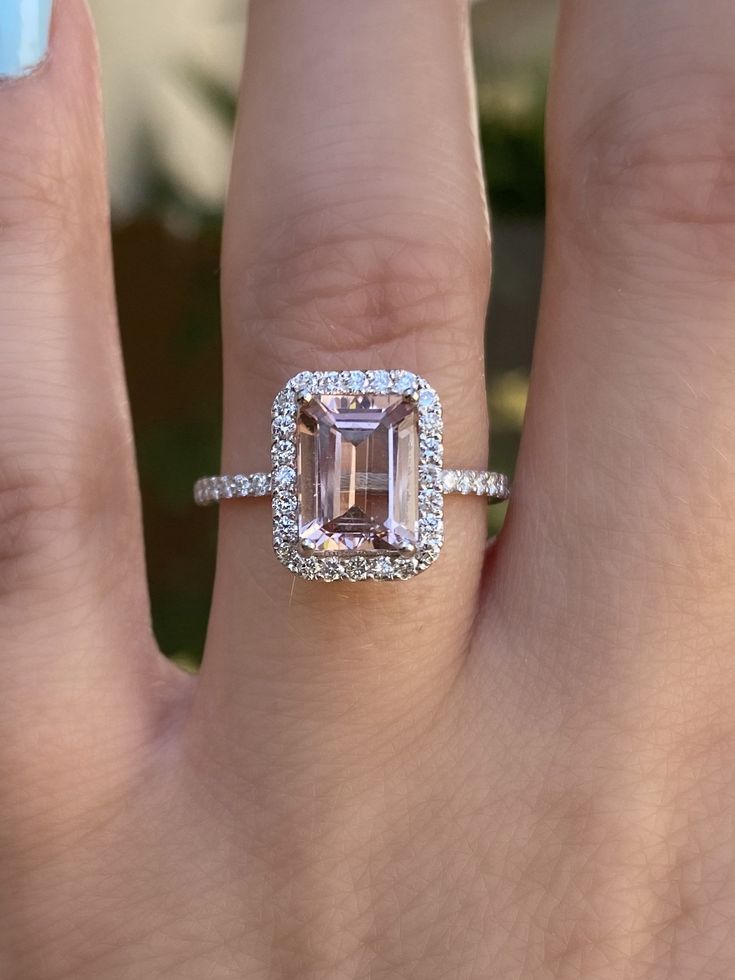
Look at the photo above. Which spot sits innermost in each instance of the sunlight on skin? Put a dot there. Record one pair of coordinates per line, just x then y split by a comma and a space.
518, 766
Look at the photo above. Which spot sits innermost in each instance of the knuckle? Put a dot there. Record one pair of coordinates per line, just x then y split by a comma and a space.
659, 164
51, 502
37, 514
343, 290
28, 190
49, 189
25, 505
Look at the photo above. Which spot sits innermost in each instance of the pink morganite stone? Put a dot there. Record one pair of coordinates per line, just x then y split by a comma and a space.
358, 458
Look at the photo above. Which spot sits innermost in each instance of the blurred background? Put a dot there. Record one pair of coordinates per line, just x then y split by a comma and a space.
170, 70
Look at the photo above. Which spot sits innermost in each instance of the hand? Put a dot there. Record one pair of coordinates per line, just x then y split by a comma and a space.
518, 766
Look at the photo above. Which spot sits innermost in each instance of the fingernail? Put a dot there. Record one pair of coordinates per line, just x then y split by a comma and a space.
24, 27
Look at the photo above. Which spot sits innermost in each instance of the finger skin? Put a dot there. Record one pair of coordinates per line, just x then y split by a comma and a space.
356, 236
546, 835
74, 641
622, 524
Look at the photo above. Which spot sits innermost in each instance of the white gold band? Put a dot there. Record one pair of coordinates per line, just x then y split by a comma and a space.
482, 483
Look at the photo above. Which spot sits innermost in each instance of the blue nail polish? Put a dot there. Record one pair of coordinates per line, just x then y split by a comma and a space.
24, 27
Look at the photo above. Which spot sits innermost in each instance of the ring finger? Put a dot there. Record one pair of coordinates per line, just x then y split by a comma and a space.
356, 238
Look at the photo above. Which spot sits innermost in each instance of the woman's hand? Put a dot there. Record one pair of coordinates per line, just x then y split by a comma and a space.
518, 766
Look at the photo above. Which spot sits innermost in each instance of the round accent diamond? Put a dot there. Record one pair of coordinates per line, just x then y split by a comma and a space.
429, 553
429, 476
431, 525
381, 568
283, 403
241, 485
285, 476
284, 528
431, 501
431, 450
431, 423
465, 483
284, 425
449, 481
303, 379
223, 488
284, 453
259, 484
309, 568
283, 505
352, 382
405, 569
404, 382
357, 381
357, 569
428, 398
327, 381
329, 570
379, 381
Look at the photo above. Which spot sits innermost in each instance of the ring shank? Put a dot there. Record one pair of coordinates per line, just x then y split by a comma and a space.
482, 483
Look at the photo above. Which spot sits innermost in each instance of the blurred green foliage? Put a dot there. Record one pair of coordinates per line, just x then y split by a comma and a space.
167, 267
512, 140
511, 129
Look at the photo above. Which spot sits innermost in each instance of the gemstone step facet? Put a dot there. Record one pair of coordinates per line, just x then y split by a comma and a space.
357, 473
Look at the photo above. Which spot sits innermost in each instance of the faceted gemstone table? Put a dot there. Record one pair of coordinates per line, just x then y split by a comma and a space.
357, 467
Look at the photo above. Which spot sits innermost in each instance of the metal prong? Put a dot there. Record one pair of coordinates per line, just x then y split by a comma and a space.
304, 397
411, 396
407, 549
306, 547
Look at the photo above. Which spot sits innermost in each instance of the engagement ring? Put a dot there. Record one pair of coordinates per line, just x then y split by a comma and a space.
357, 479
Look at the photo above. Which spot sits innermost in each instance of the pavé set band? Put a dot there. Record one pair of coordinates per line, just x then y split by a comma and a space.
357, 481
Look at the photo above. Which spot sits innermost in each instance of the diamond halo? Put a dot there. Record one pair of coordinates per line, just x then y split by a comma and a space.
357, 479
346, 565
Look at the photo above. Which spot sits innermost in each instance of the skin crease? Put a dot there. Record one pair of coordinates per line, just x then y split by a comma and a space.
517, 766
